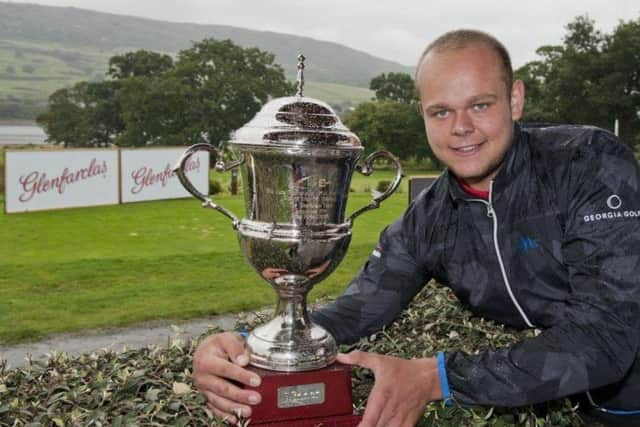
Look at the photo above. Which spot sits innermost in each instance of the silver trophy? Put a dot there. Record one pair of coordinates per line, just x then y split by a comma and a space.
296, 161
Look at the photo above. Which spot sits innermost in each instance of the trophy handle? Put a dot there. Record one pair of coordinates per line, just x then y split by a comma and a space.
220, 167
367, 169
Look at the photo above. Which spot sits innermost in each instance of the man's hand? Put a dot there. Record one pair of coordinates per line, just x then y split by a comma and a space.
219, 359
401, 391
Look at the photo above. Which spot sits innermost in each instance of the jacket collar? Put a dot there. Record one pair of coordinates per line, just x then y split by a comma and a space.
513, 164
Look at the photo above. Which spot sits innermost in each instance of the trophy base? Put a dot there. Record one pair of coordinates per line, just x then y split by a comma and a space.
291, 350
301, 399
335, 421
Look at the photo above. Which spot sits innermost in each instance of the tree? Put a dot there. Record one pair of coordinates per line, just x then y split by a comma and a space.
82, 116
104, 111
392, 121
362, 121
619, 88
390, 125
139, 63
537, 110
90, 114
213, 88
156, 111
593, 78
227, 87
394, 87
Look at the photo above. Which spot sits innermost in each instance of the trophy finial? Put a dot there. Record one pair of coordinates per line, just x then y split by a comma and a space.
301, 59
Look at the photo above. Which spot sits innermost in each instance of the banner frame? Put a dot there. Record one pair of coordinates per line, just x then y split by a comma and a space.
54, 149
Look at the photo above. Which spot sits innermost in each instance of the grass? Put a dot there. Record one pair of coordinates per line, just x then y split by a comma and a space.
337, 94
69, 270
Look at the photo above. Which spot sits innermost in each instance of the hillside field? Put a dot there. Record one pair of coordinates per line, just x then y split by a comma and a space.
30, 72
45, 48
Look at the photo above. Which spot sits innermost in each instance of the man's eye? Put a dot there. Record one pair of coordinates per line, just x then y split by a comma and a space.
441, 114
480, 106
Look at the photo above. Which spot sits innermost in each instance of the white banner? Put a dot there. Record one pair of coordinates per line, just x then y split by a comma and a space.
46, 179
147, 173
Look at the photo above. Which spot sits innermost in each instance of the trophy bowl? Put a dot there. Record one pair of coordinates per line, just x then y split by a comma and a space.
296, 160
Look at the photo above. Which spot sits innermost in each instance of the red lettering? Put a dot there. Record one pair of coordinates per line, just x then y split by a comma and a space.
147, 177
29, 185
138, 179
192, 164
36, 182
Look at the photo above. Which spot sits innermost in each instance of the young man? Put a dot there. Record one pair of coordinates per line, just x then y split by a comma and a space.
529, 226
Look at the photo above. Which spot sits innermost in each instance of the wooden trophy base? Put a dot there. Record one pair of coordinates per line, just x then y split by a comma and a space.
305, 399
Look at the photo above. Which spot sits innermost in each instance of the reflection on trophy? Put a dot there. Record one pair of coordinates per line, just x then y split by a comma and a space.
296, 161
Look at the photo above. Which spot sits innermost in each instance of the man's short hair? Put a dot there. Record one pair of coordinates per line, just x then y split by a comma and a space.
463, 38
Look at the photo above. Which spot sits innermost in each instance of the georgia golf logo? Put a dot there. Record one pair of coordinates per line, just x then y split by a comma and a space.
614, 203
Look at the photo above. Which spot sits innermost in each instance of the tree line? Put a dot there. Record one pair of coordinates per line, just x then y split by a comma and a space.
209, 90
216, 87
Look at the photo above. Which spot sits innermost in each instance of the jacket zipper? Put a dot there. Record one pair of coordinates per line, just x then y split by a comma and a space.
491, 213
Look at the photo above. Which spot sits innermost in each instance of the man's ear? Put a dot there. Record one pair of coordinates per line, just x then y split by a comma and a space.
517, 100
419, 107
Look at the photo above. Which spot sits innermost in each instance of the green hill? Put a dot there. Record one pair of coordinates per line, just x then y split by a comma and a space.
43, 48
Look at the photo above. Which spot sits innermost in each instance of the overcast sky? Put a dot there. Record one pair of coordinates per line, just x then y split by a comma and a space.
396, 30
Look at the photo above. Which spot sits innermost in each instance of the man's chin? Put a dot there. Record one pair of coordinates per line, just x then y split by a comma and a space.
470, 178
476, 178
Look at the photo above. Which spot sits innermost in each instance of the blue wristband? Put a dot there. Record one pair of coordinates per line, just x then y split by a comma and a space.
444, 383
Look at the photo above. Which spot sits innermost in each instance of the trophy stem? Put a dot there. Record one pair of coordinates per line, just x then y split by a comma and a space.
290, 342
292, 310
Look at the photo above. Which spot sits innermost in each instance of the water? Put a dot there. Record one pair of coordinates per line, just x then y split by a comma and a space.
16, 135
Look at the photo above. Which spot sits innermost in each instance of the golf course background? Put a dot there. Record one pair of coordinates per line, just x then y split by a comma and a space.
84, 268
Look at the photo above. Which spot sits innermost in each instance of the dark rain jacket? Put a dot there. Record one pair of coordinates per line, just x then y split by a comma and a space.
556, 247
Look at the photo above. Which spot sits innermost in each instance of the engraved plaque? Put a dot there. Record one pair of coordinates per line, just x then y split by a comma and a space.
301, 395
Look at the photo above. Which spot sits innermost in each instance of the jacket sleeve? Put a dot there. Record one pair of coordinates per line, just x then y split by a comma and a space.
384, 286
598, 341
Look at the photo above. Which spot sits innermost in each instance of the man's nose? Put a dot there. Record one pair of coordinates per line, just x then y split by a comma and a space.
462, 124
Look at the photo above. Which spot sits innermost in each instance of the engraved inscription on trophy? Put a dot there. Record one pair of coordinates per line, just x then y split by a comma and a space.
301, 395
312, 198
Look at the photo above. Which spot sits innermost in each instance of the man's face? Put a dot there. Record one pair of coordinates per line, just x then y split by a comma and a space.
468, 111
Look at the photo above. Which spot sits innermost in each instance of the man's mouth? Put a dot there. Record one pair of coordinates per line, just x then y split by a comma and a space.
467, 150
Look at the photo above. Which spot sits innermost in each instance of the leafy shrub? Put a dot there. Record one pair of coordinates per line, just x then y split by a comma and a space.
214, 187
383, 185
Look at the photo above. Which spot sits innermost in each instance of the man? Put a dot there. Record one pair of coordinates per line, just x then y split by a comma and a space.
530, 226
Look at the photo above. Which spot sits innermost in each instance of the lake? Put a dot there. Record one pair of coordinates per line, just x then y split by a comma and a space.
16, 135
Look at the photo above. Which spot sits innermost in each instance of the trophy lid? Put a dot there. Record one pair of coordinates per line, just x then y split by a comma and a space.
297, 121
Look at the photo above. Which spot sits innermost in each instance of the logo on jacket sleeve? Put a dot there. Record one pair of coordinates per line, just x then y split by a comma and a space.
614, 203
